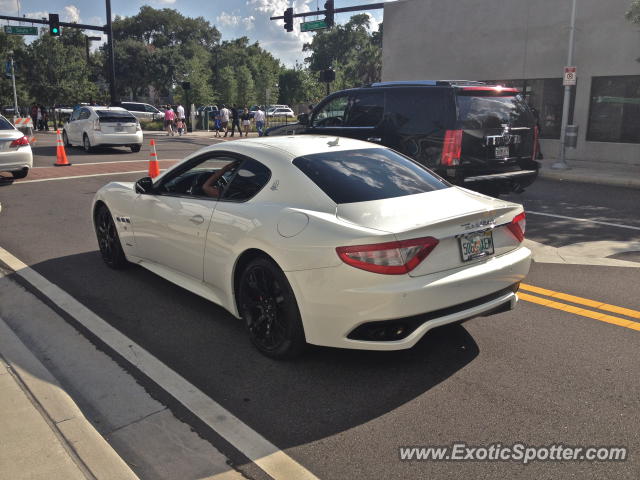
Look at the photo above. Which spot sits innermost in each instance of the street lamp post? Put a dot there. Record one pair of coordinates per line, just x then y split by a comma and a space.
561, 164
13, 81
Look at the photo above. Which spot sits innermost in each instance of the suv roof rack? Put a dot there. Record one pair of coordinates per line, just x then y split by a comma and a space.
431, 83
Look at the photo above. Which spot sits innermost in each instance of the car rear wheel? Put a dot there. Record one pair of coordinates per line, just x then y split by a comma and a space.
20, 173
269, 308
86, 144
135, 148
108, 239
65, 139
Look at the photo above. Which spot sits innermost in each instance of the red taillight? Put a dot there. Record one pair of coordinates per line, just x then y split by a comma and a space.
391, 258
518, 225
451, 148
19, 142
534, 151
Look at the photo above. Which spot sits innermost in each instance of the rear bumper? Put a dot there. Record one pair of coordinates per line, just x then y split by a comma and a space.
116, 139
16, 160
517, 176
335, 301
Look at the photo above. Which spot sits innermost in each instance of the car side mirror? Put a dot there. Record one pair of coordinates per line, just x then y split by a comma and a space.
144, 185
303, 119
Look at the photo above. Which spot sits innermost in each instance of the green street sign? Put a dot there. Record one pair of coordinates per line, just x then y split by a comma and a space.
313, 25
20, 30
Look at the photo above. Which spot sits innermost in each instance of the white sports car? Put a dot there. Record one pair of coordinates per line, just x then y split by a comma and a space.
321, 240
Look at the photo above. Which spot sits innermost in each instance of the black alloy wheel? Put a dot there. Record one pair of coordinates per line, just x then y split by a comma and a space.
108, 240
268, 306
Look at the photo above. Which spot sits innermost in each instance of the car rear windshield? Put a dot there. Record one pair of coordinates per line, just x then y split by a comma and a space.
351, 176
480, 110
115, 116
4, 124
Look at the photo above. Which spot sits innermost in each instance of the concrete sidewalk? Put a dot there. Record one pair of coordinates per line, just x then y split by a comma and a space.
599, 173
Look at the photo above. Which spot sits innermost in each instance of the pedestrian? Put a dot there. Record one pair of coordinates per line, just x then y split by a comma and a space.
34, 116
182, 119
217, 123
235, 120
45, 118
258, 117
224, 119
169, 117
39, 117
246, 121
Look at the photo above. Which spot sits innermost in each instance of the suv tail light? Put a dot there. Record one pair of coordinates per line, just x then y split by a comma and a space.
451, 148
534, 150
518, 225
96, 124
19, 142
391, 258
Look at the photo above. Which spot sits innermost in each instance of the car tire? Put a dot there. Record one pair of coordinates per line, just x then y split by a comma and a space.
86, 144
20, 173
135, 148
268, 306
108, 239
65, 139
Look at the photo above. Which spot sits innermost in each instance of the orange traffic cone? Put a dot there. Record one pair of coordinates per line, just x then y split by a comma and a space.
62, 156
154, 168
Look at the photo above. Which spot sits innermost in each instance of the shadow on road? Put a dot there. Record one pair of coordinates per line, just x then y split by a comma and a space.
325, 392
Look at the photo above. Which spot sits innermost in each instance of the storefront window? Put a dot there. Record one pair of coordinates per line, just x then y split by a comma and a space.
614, 113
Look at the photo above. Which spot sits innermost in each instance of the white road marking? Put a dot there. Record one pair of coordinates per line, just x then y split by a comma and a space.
254, 446
119, 161
79, 176
583, 220
584, 253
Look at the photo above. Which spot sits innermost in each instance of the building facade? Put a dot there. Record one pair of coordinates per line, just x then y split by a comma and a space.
524, 43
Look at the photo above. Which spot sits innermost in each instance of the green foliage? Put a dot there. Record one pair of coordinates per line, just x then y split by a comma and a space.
245, 86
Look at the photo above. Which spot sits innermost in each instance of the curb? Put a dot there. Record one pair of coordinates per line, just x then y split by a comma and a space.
83, 442
592, 178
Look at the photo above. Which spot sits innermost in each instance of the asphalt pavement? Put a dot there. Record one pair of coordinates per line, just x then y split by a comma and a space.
539, 375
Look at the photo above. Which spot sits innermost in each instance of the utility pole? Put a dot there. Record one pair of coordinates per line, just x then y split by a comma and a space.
561, 164
112, 61
15, 95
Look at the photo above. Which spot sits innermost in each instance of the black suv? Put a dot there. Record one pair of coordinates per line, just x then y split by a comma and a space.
474, 134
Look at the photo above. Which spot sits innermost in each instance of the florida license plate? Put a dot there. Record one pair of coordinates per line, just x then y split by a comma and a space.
119, 129
475, 245
502, 152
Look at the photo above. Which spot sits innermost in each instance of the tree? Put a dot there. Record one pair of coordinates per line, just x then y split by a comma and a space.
228, 86
15, 44
245, 85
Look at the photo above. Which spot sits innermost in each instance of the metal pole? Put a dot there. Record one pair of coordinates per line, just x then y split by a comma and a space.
15, 95
112, 63
561, 164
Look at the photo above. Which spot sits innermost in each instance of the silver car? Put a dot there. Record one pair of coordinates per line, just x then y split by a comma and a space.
15, 151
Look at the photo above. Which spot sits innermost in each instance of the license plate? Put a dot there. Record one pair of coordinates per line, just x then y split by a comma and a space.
502, 152
119, 129
475, 245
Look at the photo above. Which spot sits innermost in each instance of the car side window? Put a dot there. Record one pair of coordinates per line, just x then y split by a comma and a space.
332, 114
150, 109
84, 114
74, 115
247, 181
366, 110
420, 111
205, 178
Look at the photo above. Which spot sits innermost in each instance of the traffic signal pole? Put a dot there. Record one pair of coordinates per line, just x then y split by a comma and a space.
357, 8
15, 95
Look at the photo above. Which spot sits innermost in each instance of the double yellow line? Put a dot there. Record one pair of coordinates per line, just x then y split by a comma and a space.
603, 317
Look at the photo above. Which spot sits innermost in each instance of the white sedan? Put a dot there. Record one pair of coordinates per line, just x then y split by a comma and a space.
280, 112
322, 240
15, 151
102, 126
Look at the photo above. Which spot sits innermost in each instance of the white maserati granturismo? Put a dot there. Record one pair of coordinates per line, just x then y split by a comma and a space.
322, 240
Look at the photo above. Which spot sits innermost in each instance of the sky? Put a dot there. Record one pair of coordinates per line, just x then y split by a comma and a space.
234, 18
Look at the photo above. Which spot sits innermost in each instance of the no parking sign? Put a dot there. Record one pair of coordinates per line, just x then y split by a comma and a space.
570, 76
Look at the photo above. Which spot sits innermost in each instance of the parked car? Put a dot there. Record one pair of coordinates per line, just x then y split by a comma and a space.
15, 151
102, 126
280, 112
143, 111
475, 135
319, 240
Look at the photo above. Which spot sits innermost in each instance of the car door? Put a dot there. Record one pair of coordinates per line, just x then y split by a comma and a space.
330, 117
83, 124
171, 222
72, 127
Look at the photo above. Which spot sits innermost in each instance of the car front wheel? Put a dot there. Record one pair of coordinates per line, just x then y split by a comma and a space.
108, 239
269, 308
65, 139
135, 148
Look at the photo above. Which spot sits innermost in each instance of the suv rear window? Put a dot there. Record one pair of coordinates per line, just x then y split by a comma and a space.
115, 116
369, 174
479, 110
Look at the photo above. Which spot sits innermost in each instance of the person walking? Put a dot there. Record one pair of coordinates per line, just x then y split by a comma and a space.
34, 116
217, 123
224, 119
182, 119
235, 120
258, 117
169, 117
246, 121
39, 117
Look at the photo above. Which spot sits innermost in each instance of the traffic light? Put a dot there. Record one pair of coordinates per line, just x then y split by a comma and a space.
54, 24
329, 15
288, 19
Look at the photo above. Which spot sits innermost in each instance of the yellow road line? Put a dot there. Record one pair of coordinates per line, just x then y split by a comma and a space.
603, 317
581, 301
